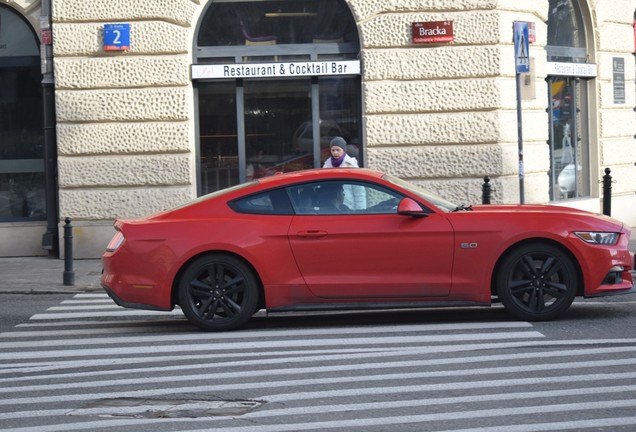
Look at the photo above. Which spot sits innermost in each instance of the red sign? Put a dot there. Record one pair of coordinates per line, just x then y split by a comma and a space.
532, 32
433, 32
45, 35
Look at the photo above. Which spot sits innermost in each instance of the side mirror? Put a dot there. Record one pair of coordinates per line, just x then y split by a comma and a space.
409, 207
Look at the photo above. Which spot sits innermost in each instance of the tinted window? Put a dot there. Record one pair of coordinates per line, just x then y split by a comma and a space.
269, 202
275, 22
343, 197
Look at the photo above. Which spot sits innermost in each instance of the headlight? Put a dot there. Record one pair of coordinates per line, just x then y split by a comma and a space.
115, 242
601, 238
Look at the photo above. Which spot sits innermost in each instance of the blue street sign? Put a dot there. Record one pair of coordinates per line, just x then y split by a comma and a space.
116, 37
522, 46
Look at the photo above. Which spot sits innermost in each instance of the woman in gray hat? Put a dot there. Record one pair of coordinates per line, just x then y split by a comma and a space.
339, 157
354, 196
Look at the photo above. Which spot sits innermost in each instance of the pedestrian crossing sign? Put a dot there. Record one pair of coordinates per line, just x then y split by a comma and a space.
522, 46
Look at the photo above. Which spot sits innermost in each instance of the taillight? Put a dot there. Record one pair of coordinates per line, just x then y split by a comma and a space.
115, 242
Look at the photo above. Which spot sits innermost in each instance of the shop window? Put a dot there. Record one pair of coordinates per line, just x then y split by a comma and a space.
257, 122
568, 104
22, 181
276, 22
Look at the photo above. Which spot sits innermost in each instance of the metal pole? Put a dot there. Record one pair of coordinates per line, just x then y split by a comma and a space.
50, 239
554, 193
574, 135
69, 274
485, 191
520, 141
607, 192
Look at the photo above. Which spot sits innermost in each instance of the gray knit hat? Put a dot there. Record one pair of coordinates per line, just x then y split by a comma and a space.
338, 142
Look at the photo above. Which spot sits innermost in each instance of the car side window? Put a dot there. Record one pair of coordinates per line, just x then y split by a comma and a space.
274, 202
342, 197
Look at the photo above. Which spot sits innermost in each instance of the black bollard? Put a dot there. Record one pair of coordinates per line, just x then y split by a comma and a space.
69, 274
485, 191
607, 193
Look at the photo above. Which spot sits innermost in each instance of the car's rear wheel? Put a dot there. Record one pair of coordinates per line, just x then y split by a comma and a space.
218, 292
537, 282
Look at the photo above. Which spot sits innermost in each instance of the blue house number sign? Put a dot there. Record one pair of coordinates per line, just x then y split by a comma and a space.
116, 37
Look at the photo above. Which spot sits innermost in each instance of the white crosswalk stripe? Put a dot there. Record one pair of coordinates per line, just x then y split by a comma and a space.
87, 364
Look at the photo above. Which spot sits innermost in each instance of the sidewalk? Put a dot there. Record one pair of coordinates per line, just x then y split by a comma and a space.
40, 275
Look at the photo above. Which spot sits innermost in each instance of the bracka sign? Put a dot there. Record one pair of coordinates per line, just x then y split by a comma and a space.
433, 32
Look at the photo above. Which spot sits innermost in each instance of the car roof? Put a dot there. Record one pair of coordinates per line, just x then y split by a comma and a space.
318, 174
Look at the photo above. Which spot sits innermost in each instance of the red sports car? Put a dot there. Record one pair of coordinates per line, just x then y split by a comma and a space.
359, 239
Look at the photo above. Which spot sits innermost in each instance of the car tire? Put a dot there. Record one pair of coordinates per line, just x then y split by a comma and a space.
537, 282
218, 292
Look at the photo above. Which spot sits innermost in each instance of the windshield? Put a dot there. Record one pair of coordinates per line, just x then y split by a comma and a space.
438, 202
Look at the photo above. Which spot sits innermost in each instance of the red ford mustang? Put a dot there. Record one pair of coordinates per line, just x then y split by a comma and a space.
359, 239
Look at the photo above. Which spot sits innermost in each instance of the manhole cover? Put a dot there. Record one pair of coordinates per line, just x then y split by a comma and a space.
166, 408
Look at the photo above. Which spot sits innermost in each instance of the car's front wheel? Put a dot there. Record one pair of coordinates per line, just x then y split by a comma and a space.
218, 292
537, 282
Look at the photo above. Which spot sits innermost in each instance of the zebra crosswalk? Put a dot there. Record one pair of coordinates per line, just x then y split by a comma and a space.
87, 364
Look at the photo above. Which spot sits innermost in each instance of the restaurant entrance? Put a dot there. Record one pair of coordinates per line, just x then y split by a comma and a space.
272, 105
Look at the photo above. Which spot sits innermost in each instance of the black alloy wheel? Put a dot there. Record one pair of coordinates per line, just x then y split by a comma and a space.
218, 292
537, 282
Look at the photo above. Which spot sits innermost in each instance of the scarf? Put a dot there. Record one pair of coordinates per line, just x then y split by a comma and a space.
336, 162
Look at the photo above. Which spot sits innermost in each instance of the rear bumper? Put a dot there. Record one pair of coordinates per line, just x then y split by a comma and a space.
121, 302
122, 281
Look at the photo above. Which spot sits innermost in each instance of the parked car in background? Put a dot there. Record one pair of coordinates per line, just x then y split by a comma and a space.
289, 243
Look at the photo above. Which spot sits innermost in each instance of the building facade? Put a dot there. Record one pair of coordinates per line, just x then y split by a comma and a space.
119, 109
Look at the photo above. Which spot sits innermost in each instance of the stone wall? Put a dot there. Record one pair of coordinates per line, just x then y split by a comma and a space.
616, 122
445, 115
124, 119
125, 122
441, 115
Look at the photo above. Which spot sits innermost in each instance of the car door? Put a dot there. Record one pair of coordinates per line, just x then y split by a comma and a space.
370, 252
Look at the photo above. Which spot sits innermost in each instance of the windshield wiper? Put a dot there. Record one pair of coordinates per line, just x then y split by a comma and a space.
462, 207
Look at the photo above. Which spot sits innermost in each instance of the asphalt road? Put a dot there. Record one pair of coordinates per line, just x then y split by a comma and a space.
78, 362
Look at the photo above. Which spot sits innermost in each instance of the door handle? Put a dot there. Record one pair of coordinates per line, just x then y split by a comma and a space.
312, 234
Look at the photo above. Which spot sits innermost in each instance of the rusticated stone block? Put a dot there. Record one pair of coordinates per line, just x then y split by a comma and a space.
146, 37
177, 11
168, 104
612, 122
363, 9
438, 161
123, 138
618, 151
134, 170
429, 96
109, 204
425, 129
160, 71
431, 63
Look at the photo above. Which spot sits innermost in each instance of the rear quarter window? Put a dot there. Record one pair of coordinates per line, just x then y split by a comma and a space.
272, 202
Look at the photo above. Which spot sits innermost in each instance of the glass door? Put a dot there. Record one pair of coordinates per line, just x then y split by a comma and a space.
340, 114
218, 136
278, 126
256, 128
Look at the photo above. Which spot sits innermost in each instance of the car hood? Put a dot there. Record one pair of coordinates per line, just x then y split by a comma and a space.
543, 210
